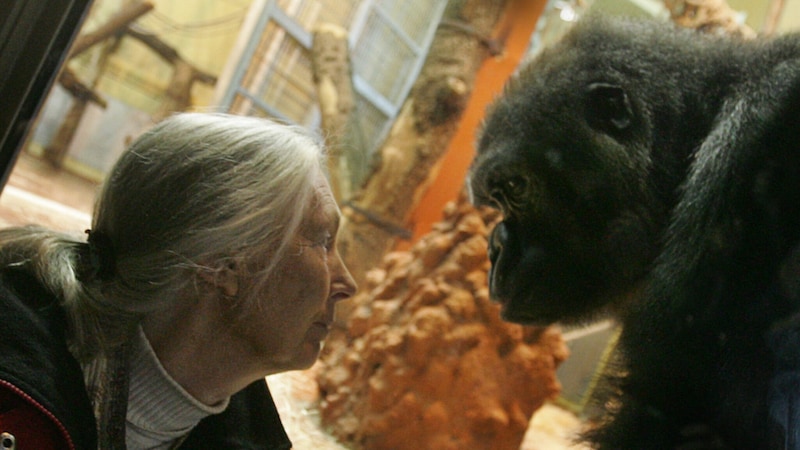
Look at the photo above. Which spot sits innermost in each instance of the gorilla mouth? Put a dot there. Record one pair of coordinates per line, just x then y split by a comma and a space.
538, 280
514, 271
498, 276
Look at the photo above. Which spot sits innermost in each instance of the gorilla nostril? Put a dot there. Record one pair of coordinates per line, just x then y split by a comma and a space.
497, 240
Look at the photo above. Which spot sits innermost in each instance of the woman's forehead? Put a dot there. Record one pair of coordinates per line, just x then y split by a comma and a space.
322, 206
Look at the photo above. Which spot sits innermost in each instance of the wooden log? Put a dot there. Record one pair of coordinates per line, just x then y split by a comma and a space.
56, 151
116, 25
155, 44
330, 62
713, 16
774, 13
178, 94
410, 158
78, 89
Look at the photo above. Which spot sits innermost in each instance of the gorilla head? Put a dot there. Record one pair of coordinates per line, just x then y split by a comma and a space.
567, 154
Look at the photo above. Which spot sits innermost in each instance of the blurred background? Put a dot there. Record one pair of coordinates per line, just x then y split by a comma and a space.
359, 71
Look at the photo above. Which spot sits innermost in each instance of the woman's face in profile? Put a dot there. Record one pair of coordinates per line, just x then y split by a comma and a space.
296, 305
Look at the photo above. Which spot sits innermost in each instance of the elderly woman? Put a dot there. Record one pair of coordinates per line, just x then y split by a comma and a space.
210, 264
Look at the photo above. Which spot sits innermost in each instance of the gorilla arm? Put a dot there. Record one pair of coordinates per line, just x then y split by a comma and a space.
712, 292
722, 184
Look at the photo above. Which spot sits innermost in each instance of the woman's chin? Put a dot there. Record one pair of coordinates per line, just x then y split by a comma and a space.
309, 355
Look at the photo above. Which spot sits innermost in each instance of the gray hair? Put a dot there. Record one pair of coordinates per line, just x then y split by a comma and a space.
197, 192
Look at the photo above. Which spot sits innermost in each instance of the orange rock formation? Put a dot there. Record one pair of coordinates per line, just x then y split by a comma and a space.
427, 362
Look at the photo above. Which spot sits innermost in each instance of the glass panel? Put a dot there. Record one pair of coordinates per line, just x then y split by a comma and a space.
260, 65
279, 75
244, 106
309, 13
414, 17
368, 128
289, 87
383, 59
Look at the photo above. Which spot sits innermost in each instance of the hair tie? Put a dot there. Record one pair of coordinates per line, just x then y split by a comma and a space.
99, 259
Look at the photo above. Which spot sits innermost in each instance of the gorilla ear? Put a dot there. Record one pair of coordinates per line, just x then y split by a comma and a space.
608, 107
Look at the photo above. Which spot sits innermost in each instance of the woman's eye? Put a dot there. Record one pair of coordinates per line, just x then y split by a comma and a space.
326, 241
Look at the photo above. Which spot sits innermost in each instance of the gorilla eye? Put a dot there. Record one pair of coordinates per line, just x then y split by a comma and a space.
608, 107
508, 192
515, 186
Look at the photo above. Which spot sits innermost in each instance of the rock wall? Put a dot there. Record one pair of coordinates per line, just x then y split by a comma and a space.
426, 361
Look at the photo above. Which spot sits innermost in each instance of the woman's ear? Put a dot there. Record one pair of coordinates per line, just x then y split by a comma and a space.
225, 279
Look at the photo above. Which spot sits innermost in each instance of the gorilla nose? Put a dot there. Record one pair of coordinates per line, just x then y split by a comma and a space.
497, 240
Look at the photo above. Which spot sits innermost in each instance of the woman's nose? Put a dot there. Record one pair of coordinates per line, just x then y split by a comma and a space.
343, 284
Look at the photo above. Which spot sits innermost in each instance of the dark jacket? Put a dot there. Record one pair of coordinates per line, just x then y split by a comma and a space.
43, 400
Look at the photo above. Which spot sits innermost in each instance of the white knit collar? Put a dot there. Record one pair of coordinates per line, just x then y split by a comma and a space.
160, 411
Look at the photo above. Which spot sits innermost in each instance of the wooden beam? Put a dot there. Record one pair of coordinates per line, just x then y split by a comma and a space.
117, 24
330, 63
78, 89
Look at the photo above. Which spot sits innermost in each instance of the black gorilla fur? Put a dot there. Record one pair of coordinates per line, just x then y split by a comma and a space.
654, 173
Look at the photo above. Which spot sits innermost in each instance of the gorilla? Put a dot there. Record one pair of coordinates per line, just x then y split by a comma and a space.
652, 174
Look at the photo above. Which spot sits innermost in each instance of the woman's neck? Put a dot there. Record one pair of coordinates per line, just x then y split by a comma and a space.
195, 346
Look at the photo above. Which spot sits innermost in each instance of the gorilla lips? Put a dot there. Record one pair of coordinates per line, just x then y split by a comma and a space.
506, 258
